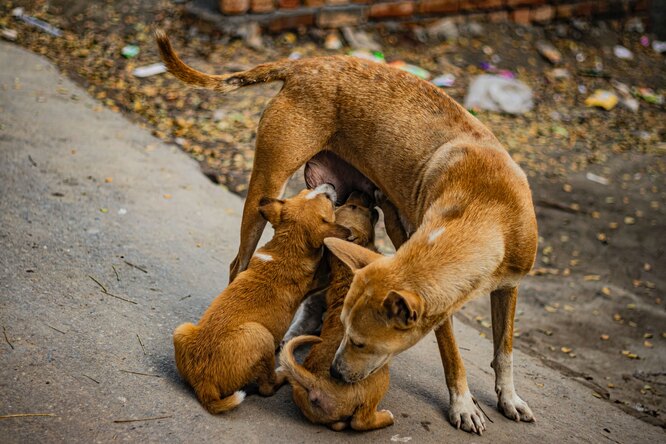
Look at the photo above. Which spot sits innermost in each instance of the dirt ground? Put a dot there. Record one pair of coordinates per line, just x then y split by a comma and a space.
593, 306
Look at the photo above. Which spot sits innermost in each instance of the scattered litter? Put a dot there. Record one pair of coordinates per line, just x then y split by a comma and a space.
130, 51
622, 53
494, 93
444, 29
251, 33
582, 89
645, 41
359, 39
412, 69
398, 438
9, 34
648, 95
659, 46
149, 70
444, 81
625, 96
598, 179
374, 56
602, 99
295, 55
549, 52
37, 23
122, 211
630, 355
333, 41
558, 74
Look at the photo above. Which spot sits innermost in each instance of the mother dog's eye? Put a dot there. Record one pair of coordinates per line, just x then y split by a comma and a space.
355, 344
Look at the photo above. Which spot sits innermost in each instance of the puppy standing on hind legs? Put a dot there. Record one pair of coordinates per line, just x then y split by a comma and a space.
322, 399
235, 340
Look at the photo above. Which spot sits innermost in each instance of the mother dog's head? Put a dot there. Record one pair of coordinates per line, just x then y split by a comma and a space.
380, 320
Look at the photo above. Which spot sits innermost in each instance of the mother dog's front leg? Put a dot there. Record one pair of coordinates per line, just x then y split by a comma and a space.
463, 411
503, 308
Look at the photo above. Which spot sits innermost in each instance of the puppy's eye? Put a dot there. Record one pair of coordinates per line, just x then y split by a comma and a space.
356, 344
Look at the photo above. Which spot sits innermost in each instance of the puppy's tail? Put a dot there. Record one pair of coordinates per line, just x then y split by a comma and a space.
296, 370
268, 72
209, 396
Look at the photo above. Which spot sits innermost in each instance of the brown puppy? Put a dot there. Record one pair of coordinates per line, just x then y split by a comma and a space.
322, 399
464, 204
235, 340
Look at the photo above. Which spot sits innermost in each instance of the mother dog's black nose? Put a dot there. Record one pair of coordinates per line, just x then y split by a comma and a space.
335, 374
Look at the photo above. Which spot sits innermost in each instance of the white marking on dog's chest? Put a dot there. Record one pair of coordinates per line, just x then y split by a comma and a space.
263, 257
435, 234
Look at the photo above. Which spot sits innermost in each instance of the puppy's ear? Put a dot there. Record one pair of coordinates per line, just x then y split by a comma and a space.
337, 231
270, 209
355, 256
404, 308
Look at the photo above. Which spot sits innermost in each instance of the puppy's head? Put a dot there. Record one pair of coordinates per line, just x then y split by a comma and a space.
380, 319
307, 218
359, 218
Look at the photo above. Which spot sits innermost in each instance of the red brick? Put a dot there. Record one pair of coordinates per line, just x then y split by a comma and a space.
438, 6
314, 3
396, 9
282, 21
543, 14
514, 3
521, 16
498, 17
234, 6
475, 5
262, 5
336, 18
564, 11
288, 4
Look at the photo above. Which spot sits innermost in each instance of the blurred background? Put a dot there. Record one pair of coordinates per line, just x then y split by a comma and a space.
573, 89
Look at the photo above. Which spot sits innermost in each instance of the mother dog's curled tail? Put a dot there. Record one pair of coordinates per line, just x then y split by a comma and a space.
268, 72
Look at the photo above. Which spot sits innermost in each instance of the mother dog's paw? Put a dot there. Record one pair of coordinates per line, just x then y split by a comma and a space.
465, 414
513, 407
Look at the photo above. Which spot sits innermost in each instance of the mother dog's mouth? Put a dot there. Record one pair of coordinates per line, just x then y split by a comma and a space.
328, 168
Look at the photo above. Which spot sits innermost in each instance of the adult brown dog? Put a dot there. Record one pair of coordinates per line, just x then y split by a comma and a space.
464, 203
322, 399
235, 340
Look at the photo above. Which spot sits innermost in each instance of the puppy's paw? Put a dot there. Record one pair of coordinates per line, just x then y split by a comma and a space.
465, 414
512, 406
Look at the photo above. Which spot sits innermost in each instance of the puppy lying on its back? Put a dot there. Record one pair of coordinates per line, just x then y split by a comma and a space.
235, 340
322, 399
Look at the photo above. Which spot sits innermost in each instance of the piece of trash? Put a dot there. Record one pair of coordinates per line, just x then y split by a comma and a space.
412, 69
444, 81
549, 52
398, 438
374, 56
130, 51
659, 46
9, 34
360, 39
622, 53
444, 29
558, 74
648, 95
645, 41
594, 72
104, 210
333, 41
603, 99
598, 179
494, 93
122, 211
149, 70
626, 98
295, 55
37, 23
582, 89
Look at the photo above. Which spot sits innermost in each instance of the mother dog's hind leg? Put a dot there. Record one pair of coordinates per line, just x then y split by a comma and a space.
287, 137
503, 308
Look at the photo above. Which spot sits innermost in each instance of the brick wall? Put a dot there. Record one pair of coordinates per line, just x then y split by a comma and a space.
277, 15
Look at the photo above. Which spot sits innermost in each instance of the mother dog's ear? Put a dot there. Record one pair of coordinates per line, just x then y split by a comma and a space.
270, 209
337, 231
404, 308
355, 256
